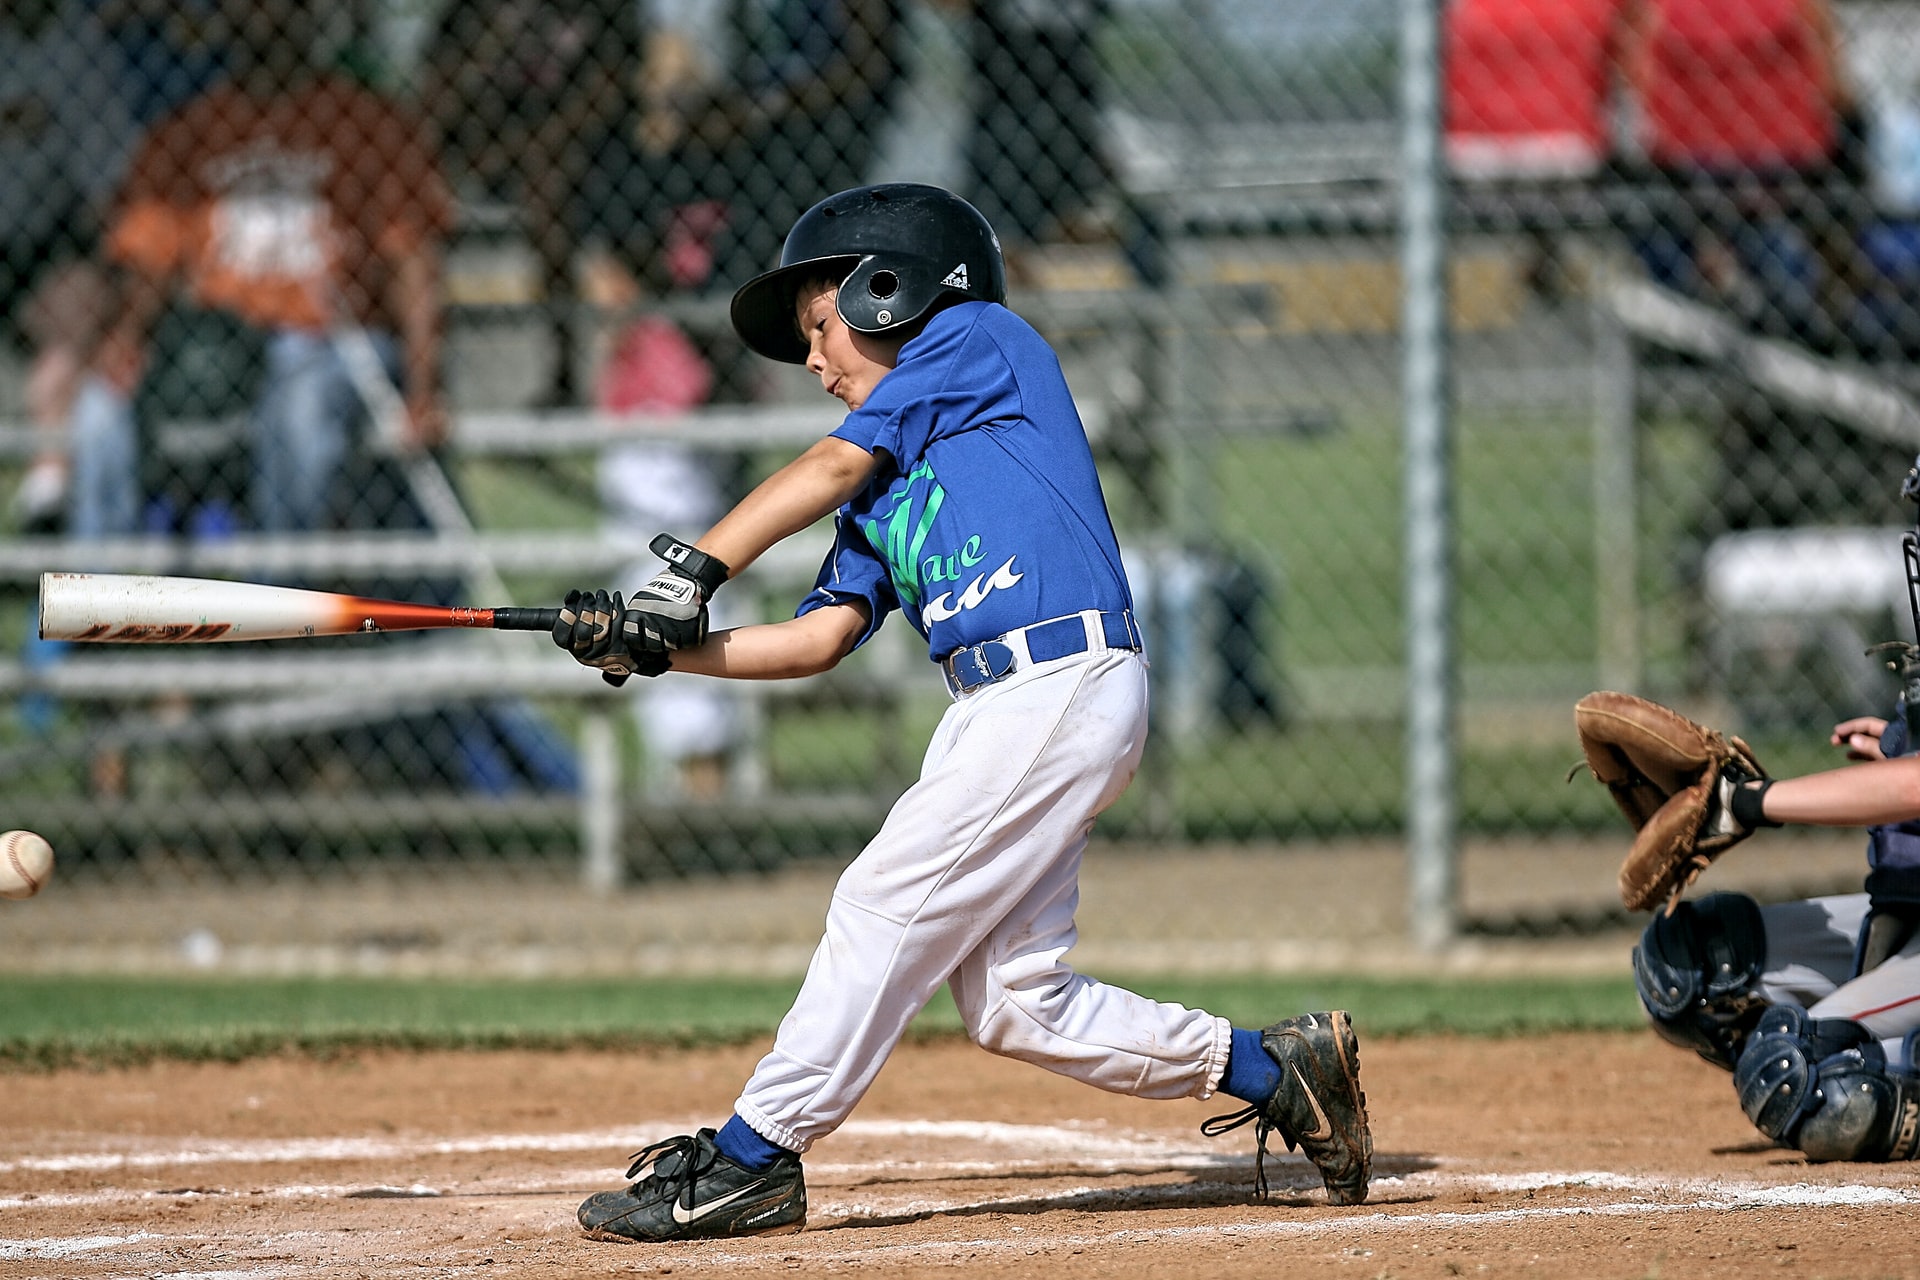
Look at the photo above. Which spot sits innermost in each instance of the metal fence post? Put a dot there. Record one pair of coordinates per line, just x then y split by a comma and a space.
1431, 771
599, 800
1615, 502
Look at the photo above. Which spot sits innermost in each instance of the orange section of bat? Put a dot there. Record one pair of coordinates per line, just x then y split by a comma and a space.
364, 613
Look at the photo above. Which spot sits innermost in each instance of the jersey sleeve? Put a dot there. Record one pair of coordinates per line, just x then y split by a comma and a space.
951, 378
852, 573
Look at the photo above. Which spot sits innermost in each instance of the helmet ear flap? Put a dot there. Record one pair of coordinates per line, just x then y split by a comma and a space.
877, 296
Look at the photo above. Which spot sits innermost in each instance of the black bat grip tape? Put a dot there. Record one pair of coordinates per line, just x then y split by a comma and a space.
515, 619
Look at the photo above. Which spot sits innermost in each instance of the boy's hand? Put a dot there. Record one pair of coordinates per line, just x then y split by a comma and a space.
598, 632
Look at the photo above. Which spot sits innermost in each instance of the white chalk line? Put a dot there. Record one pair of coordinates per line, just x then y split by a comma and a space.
1729, 1197
1085, 1152
1343, 1226
55, 1248
1037, 1139
1071, 1150
839, 1204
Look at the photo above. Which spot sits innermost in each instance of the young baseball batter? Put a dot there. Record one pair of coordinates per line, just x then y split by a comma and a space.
967, 500
1813, 1005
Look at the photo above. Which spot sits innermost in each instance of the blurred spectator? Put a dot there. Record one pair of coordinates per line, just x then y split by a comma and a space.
518, 89
689, 727
1529, 88
1036, 162
169, 51
1745, 112
1530, 99
71, 308
1747, 118
66, 127
754, 110
273, 226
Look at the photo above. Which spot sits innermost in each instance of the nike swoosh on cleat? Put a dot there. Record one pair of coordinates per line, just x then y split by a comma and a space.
686, 1216
1322, 1130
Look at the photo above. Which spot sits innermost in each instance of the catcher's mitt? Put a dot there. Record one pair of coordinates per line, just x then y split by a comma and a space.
1674, 780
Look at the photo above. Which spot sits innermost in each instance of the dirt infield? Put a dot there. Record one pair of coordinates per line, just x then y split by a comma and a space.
1576, 1155
1605, 1155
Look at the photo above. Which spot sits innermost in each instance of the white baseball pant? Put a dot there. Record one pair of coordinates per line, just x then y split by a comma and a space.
973, 881
1810, 947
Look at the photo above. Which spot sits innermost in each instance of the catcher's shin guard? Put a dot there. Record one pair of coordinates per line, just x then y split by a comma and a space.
1698, 974
1823, 1085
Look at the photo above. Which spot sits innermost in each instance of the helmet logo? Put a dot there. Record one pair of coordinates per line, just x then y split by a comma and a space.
884, 316
956, 278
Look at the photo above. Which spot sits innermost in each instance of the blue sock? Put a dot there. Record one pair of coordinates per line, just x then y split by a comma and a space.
740, 1144
1252, 1075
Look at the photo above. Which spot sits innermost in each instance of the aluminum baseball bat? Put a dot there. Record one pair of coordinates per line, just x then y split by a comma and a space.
122, 608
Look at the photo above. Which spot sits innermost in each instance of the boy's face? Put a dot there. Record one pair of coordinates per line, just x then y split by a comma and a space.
848, 363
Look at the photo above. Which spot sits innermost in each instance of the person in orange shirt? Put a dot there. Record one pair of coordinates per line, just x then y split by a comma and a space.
308, 210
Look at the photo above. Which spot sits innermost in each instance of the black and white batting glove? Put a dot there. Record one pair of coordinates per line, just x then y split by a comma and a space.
670, 611
590, 629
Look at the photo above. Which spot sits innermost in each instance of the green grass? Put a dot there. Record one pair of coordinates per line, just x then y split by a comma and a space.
63, 1022
1325, 515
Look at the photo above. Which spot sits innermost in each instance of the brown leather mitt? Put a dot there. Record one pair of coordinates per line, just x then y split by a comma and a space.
1674, 780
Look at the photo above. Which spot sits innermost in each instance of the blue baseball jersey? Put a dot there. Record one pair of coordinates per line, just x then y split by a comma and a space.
986, 512
1895, 844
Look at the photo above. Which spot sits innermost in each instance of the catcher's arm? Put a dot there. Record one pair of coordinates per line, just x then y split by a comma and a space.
1855, 795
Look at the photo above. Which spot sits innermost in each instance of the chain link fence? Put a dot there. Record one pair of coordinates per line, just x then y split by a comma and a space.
426, 299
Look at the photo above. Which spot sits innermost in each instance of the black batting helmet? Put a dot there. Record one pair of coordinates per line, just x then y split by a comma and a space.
896, 249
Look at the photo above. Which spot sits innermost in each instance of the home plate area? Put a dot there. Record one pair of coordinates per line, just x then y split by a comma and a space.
1594, 1154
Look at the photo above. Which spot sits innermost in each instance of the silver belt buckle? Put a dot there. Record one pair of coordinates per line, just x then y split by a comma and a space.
979, 664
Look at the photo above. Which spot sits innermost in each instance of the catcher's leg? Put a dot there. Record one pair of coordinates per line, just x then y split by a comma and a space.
1824, 1085
1699, 971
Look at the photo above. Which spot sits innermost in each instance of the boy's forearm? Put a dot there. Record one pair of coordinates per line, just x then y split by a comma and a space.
811, 486
802, 646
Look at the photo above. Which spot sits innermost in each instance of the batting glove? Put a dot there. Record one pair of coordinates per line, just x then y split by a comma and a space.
670, 611
590, 629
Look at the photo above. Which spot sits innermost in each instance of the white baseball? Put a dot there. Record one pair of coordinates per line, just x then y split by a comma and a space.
26, 864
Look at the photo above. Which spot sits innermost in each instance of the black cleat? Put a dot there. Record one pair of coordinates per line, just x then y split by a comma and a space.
685, 1189
1318, 1107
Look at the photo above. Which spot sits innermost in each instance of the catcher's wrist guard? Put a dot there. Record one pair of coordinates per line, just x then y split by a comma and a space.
1748, 804
709, 573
